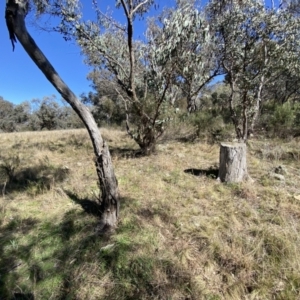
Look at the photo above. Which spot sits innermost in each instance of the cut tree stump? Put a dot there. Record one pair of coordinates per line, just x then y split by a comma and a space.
233, 163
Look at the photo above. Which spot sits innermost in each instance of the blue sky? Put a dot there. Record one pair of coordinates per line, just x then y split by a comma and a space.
21, 80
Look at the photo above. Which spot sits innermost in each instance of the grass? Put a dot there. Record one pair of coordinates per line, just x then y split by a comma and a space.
181, 235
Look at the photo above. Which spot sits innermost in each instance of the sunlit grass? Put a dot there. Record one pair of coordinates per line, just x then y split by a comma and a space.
180, 236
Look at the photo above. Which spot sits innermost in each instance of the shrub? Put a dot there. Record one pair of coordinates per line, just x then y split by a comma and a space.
283, 119
211, 127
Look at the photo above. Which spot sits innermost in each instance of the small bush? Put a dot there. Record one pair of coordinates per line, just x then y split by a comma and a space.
212, 127
282, 120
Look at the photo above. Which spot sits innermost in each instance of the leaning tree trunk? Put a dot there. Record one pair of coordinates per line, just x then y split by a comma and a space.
16, 11
233, 163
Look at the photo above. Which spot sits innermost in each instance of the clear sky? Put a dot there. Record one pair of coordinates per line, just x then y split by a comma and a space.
21, 80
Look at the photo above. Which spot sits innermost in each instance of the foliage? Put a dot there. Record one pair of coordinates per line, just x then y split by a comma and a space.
143, 74
284, 88
257, 45
279, 120
48, 114
51, 115
210, 127
37, 115
13, 117
212, 120
107, 106
283, 118
185, 33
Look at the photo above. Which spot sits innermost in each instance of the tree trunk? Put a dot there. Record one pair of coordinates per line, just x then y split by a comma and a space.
233, 164
15, 17
148, 143
145, 137
191, 104
233, 114
257, 105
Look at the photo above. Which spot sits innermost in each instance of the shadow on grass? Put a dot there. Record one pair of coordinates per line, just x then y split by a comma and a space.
210, 173
89, 206
34, 252
22, 296
162, 212
187, 138
11, 259
36, 179
58, 259
58, 255
93, 207
125, 152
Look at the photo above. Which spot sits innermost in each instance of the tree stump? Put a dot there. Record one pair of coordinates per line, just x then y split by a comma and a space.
233, 163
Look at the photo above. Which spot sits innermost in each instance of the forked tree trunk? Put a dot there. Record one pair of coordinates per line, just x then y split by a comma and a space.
233, 163
16, 11
145, 138
148, 142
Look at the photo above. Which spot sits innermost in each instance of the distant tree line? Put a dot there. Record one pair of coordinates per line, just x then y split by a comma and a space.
279, 113
45, 114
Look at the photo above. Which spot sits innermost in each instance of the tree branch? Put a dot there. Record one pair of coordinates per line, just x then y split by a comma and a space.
138, 6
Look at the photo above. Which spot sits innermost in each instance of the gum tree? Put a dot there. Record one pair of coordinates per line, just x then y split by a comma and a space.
256, 45
186, 32
110, 48
15, 14
148, 74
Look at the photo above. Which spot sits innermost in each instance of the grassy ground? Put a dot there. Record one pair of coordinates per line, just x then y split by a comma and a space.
181, 235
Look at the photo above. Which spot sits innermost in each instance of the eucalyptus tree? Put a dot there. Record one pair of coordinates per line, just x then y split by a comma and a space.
186, 33
139, 71
257, 44
148, 75
292, 6
48, 114
7, 124
15, 14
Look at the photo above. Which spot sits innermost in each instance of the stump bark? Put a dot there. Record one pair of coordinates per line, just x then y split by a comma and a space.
233, 163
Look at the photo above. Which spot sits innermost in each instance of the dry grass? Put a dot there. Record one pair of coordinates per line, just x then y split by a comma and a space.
180, 236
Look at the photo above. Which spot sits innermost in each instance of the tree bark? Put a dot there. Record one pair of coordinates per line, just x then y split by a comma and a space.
259, 92
233, 114
16, 11
233, 163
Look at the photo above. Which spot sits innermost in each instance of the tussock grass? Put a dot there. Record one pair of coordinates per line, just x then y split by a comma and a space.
181, 235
